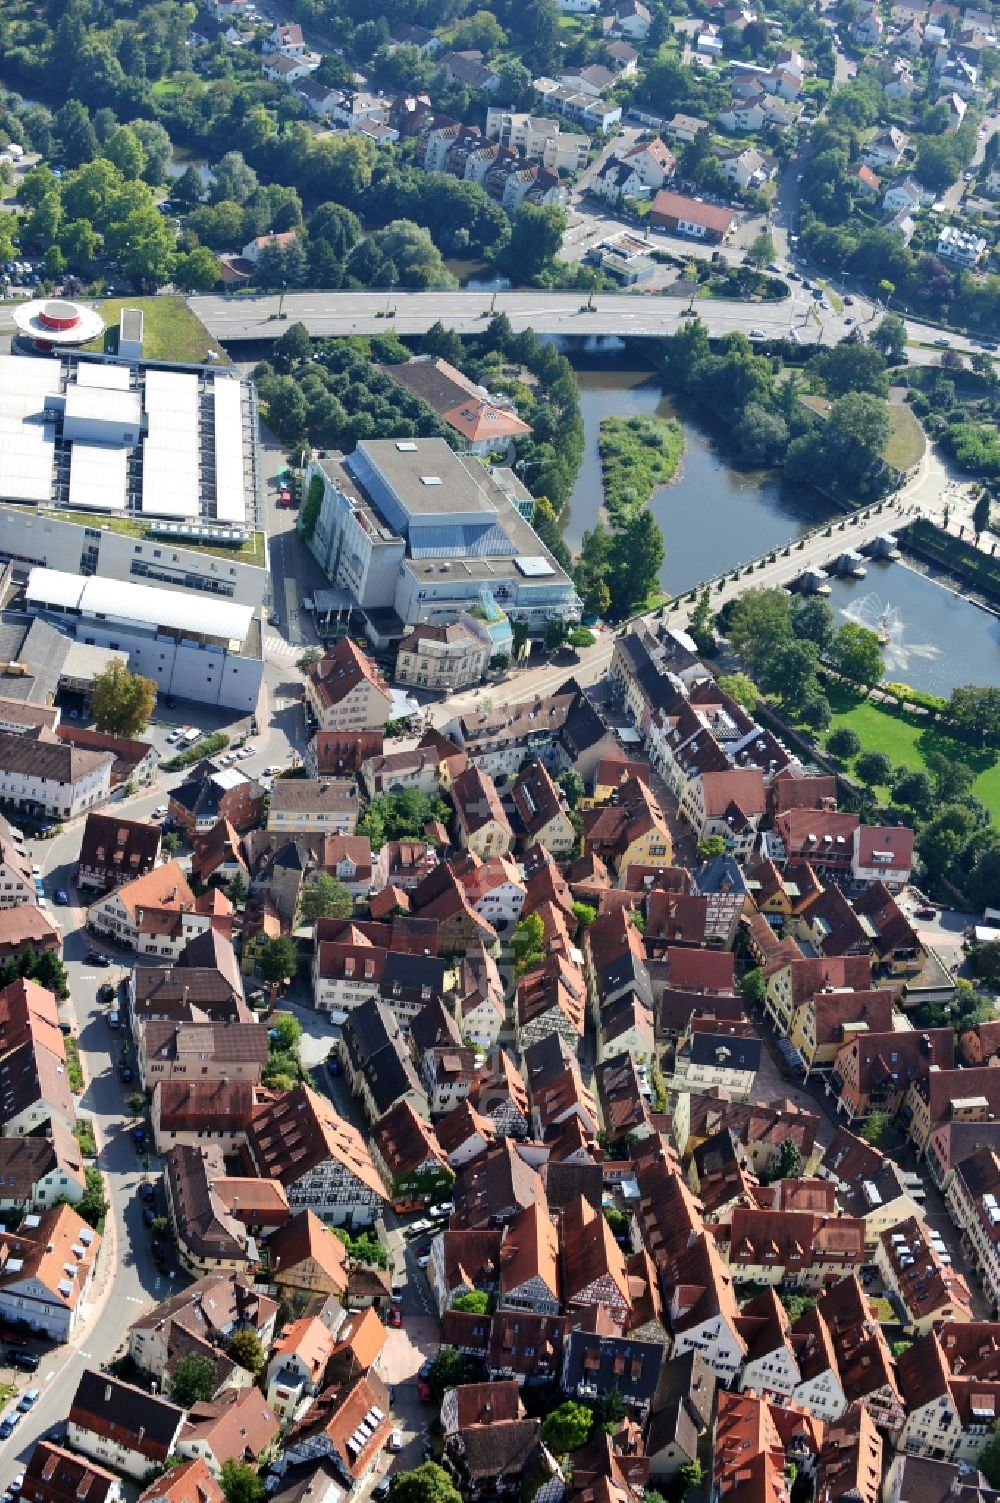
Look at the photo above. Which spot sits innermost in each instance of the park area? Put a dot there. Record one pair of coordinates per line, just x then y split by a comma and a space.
908, 740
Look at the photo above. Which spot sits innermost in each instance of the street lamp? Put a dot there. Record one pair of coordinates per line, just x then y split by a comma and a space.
281, 299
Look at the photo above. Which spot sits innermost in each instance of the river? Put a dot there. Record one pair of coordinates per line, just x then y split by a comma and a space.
938, 640
713, 516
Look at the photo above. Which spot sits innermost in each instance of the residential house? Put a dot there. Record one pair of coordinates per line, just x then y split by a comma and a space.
877, 1071
406, 1151
745, 167
904, 194
54, 1475
345, 690
328, 806
491, 1190
297, 1366
40, 1168
376, 1061
444, 658
191, 1111
862, 1362
332, 1430
551, 999
494, 888
950, 1378
885, 149
121, 1427
916, 1269
962, 247
631, 20
278, 67
630, 829
305, 1259
542, 816
50, 778
239, 1425
652, 161
218, 1220
718, 1061
792, 980
17, 883
46, 1270
211, 793
320, 1159
483, 827
943, 1095
827, 1019
211, 1311
158, 914
730, 804
170, 1050
882, 854
704, 1314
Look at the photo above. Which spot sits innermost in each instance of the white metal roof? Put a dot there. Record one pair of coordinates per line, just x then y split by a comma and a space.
230, 505
103, 404
98, 475
124, 601
26, 441
170, 478
93, 373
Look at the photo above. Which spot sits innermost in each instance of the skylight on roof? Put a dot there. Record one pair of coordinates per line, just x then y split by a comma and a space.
430, 480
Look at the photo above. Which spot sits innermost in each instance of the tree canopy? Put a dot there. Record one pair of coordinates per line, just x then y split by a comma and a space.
122, 701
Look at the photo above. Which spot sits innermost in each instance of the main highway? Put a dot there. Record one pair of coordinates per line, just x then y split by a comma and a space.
235, 320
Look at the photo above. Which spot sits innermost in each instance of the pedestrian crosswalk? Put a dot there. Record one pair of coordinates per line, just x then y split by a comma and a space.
277, 647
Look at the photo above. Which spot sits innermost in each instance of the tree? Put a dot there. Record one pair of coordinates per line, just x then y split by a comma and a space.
814, 620
171, 842
196, 270
814, 710
124, 150
480, 32
789, 1161
520, 632
711, 847
873, 767
156, 146
338, 228
535, 239
856, 653
192, 1381
844, 743
790, 670
637, 553
851, 367
585, 914
610, 1407
987, 962
233, 179
77, 138
237, 890
288, 1031
572, 785
914, 789
428, 1483
279, 958
876, 1128
567, 1428
122, 702
527, 942
759, 623
240, 1482
890, 337
691, 1475
246, 1350
741, 688
324, 897
451, 1369
93, 1205
473, 1302
556, 633
761, 251
754, 987
981, 514
293, 348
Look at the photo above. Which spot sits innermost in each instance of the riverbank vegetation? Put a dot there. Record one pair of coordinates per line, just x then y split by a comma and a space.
960, 409
827, 425
637, 455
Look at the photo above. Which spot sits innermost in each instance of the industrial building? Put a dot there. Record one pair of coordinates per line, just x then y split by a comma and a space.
417, 533
210, 651
131, 470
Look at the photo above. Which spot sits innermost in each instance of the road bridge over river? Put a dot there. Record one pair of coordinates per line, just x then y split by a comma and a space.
238, 320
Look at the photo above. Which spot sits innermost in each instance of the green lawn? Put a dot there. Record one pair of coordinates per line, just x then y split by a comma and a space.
906, 739
170, 330
908, 441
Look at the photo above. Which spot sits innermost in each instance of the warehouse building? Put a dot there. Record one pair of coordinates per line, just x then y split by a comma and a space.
210, 651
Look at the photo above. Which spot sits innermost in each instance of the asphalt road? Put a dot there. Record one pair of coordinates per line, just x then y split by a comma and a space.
232, 320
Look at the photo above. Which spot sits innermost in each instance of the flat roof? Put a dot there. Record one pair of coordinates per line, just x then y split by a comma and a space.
229, 490
119, 600
102, 404
170, 471
413, 465
27, 441
95, 373
98, 477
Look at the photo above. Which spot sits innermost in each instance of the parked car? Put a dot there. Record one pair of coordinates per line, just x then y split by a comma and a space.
62, 897
139, 1136
395, 1315
8, 1424
125, 1072
148, 1191
148, 1215
925, 911
114, 1018
424, 1255
161, 811
26, 1361
12, 1337
942, 343
418, 1228
94, 957
381, 1488
444, 1208
28, 1400
396, 1440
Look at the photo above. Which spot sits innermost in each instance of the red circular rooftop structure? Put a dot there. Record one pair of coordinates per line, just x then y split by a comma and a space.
56, 323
